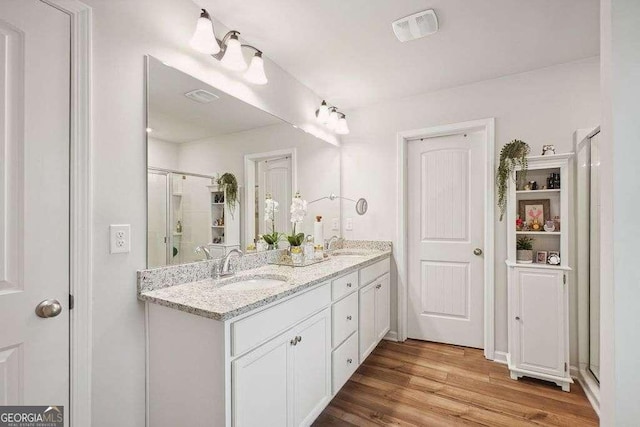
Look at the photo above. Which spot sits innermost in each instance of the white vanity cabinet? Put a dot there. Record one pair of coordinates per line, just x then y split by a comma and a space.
276, 365
285, 379
538, 330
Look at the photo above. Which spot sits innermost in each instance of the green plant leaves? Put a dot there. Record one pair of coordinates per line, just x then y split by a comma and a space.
512, 155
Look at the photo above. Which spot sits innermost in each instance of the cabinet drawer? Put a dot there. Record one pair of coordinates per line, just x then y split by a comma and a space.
250, 331
372, 272
344, 361
344, 285
344, 318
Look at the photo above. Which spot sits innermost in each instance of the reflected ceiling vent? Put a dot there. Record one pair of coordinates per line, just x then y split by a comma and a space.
415, 26
201, 96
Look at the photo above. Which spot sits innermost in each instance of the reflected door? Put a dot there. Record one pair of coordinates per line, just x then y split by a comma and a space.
446, 177
157, 219
275, 179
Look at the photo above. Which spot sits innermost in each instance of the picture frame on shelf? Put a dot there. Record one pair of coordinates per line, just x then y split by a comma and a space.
541, 257
535, 212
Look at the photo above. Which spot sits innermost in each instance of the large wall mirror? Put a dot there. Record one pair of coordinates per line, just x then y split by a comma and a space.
197, 134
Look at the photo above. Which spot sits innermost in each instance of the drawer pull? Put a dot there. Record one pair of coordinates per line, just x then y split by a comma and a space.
349, 285
349, 361
299, 338
378, 286
517, 317
349, 317
293, 341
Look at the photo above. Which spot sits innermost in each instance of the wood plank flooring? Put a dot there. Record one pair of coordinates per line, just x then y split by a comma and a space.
418, 383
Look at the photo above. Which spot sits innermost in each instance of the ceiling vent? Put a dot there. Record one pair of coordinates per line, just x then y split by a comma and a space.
201, 96
415, 26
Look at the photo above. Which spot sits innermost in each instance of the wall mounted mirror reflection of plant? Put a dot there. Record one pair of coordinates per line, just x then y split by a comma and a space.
512, 155
229, 184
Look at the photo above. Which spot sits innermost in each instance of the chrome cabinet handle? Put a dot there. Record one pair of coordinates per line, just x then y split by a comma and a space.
349, 361
517, 317
349, 318
48, 308
293, 341
348, 285
299, 338
378, 286
477, 251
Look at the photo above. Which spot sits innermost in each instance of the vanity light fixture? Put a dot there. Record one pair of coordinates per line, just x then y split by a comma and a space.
323, 113
228, 50
204, 37
333, 118
342, 128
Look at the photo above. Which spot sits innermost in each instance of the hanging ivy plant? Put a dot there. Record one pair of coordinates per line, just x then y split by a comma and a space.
512, 155
229, 184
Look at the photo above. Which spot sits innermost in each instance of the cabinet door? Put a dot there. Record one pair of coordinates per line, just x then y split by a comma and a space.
539, 321
311, 369
260, 392
367, 320
383, 307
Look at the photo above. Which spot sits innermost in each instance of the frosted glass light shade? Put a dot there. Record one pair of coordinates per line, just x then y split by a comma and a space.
323, 113
255, 74
204, 39
333, 119
233, 58
341, 126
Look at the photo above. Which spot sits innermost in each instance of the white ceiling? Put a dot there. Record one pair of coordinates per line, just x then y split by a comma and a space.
174, 117
345, 50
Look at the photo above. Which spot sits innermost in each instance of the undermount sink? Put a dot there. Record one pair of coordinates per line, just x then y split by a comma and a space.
254, 284
350, 252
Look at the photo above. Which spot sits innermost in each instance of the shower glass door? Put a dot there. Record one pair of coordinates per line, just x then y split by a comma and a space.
157, 240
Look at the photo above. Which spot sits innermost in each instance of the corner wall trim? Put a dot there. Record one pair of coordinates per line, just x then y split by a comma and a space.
391, 336
401, 246
500, 357
81, 214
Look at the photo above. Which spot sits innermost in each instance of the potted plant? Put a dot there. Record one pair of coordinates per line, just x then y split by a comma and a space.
270, 210
298, 212
524, 250
228, 183
512, 155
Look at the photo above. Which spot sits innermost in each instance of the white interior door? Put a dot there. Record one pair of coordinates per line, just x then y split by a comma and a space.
34, 202
446, 177
275, 179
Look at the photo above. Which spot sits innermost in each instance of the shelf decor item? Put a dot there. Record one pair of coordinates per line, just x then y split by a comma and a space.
554, 258
524, 246
229, 185
535, 213
548, 150
541, 257
298, 211
512, 155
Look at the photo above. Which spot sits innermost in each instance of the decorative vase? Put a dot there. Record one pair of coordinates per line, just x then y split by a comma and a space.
297, 255
524, 256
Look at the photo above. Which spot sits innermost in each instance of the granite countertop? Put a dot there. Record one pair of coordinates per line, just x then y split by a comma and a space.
209, 298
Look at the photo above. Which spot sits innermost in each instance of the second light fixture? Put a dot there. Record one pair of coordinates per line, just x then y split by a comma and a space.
334, 119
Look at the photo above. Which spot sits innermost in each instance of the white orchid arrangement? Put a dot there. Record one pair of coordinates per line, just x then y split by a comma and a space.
298, 211
270, 210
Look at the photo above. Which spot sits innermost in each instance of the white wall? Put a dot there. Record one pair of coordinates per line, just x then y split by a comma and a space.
540, 107
620, 233
163, 154
123, 32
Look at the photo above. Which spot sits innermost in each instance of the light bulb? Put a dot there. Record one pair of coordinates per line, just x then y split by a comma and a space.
341, 127
255, 74
233, 58
333, 119
323, 113
204, 39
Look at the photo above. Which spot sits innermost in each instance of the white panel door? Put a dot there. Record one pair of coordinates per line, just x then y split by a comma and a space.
34, 202
275, 179
539, 321
446, 177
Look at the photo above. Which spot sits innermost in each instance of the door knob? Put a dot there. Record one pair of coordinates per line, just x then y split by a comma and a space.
477, 251
48, 308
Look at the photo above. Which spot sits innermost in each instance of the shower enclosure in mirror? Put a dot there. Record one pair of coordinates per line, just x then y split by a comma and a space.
195, 134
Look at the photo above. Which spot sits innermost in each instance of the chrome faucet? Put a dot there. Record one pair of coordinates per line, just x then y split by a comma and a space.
330, 241
224, 269
203, 249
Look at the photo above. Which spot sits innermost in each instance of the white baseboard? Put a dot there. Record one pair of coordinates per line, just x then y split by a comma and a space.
500, 357
589, 385
391, 336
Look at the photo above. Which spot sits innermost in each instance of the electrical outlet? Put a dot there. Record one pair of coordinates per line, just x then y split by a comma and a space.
349, 224
120, 238
335, 224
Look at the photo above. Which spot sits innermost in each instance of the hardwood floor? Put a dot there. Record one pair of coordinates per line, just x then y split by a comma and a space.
420, 383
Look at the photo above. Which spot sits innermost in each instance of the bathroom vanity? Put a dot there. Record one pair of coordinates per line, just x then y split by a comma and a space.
269, 346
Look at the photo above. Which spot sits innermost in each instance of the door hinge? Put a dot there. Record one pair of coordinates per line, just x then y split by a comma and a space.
565, 366
71, 302
564, 278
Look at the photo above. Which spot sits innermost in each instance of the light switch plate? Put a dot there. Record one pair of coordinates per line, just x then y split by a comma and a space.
335, 224
349, 224
120, 238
